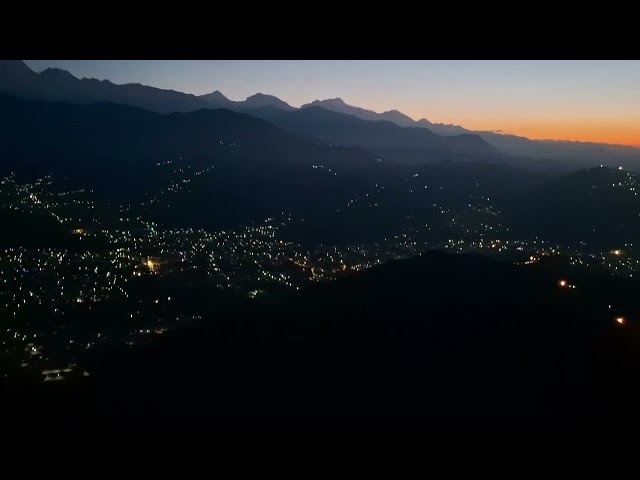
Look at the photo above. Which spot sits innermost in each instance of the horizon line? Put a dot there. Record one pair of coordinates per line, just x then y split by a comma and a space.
494, 131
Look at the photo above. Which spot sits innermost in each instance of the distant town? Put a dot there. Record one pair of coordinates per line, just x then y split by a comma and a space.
119, 284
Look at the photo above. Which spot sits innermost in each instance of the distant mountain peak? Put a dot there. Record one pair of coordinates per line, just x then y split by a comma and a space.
339, 105
57, 73
335, 101
264, 100
393, 116
398, 118
216, 99
260, 95
215, 94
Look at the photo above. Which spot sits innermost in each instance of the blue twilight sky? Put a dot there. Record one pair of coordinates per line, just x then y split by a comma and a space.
574, 100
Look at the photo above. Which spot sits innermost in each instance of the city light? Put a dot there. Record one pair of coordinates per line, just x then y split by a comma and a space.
249, 260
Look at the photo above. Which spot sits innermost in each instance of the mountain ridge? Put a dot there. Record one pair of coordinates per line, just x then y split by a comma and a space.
17, 78
384, 138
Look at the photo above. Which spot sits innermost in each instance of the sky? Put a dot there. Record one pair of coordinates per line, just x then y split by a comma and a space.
596, 101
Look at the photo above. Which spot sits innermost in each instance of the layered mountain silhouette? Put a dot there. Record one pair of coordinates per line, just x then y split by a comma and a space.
17, 78
257, 170
264, 168
399, 118
54, 84
217, 100
581, 154
259, 100
384, 138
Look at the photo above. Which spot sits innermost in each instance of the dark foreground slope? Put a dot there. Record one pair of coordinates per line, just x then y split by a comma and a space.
434, 337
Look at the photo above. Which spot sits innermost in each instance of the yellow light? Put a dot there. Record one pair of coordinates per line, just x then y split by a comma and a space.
563, 283
532, 258
620, 320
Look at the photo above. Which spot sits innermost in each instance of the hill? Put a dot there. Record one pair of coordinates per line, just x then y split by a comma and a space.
384, 138
57, 85
259, 170
434, 337
258, 100
598, 205
572, 155
399, 118
253, 168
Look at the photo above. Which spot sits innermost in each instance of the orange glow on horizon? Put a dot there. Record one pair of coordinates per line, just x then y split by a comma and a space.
612, 133
573, 128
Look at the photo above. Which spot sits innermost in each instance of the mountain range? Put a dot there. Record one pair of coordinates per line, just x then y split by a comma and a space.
259, 100
53, 84
399, 118
584, 152
257, 169
384, 138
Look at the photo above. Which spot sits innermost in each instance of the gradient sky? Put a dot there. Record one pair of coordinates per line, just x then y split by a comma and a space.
595, 101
